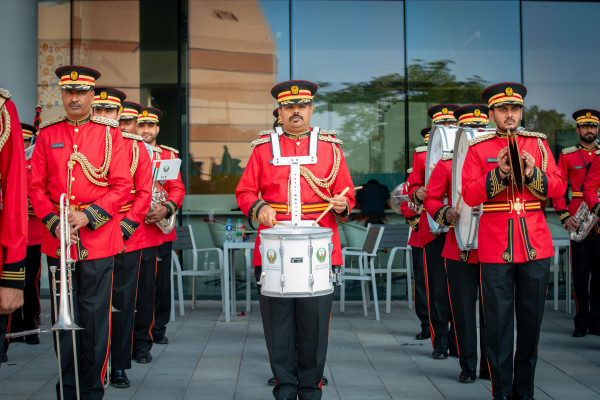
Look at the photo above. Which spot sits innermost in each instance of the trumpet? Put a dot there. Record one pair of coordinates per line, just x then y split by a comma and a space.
159, 196
63, 315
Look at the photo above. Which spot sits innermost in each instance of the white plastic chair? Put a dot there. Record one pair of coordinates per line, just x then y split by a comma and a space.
558, 243
366, 267
185, 241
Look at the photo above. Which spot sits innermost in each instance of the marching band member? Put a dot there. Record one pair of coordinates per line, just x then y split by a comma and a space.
575, 162
296, 329
108, 103
84, 157
412, 217
442, 337
462, 267
13, 215
514, 242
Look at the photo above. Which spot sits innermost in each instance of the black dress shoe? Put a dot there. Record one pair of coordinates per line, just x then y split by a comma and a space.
467, 376
439, 355
162, 339
579, 332
144, 357
118, 378
324, 381
423, 335
32, 339
272, 381
594, 331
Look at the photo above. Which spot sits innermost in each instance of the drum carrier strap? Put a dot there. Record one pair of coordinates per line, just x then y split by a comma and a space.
294, 162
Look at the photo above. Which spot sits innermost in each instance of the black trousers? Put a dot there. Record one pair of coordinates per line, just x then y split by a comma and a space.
584, 262
3, 326
437, 293
92, 283
463, 285
144, 303
26, 317
127, 267
296, 333
507, 289
420, 288
162, 297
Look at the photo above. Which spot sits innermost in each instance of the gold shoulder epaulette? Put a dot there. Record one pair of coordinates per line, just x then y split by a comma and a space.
263, 133
597, 152
156, 149
569, 150
131, 136
481, 138
327, 132
106, 121
532, 134
5, 93
266, 139
52, 121
421, 149
172, 150
409, 171
447, 156
330, 139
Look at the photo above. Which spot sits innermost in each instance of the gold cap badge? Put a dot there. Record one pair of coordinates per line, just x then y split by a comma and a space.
477, 113
508, 91
588, 114
74, 75
444, 111
294, 90
144, 113
103, 95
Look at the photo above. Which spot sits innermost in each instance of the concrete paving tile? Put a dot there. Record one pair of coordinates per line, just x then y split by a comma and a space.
211, 390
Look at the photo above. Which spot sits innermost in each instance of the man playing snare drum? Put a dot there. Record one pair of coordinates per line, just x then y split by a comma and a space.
296, 329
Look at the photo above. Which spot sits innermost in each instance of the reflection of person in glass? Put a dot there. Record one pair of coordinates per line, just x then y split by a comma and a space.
577, 163
372, 200
514, 241
296, 329
462, 267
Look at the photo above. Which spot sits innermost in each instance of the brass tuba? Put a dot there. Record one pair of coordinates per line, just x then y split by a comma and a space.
159, 196
586, 220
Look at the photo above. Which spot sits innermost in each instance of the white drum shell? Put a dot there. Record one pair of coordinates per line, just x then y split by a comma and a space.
441, 140
466, 226
288, 267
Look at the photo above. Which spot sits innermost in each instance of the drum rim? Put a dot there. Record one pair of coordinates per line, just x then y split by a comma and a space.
277, 234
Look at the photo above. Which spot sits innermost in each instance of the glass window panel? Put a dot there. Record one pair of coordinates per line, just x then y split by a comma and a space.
560, 65
237, 51
358, 66
454, 50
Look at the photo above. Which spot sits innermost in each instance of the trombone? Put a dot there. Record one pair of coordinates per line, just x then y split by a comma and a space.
64, 314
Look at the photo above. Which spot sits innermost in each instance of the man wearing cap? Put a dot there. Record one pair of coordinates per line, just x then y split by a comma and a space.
411, 212
26, 317
462, 267
13, 216
576, 163
108, 103
440, 315
296, 329
148, 127
514, 242
85, 158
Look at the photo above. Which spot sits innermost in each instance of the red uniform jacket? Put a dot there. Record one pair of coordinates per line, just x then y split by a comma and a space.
418, 180
150, 234
592, 183
573, 163
509, 230
174, 188
132, 214
411, 216
440, 186
57, 141
13, 214
263, 183
35, 229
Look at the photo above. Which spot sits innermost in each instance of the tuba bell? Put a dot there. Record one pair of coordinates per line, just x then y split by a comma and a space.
159, 196
586, 220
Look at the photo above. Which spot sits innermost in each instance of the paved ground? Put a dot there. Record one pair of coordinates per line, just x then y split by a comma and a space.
209, 359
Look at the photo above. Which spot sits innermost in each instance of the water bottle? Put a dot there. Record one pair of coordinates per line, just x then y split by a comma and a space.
239, 231
229, 231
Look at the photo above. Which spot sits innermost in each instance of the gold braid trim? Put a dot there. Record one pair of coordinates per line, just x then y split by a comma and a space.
262, 133
544, 154
330, 139
52, 122
481, 138
171, 149
421, 149
257, 142
91, 173
136, 158
313, 181
51, 221
569, 150
496, 186
532, 134
132, 136
4, 126
447, 156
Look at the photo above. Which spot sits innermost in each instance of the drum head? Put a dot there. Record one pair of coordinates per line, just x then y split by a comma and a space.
300, 233
441, 140
466, 225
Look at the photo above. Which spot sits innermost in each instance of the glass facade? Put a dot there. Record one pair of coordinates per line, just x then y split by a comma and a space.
209, 65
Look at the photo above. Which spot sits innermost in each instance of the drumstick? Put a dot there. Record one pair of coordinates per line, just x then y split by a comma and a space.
330, 206
456, 207
275, 222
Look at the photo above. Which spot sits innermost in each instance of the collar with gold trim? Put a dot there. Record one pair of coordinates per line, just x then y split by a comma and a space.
78, 122
502, 135
296, 136
592, 148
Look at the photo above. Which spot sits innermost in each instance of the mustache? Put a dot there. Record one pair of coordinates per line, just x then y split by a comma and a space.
297, 115
74, 104
506, 121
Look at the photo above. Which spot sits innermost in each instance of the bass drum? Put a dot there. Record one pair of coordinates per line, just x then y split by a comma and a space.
467, 224
441, 140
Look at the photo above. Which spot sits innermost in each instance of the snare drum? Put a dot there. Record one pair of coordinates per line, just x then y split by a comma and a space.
467, 224
296, 262
441, 140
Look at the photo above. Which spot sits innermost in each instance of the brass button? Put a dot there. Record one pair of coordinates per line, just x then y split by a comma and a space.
72, 179
297, 143
72, 197
74, 147
76, 130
